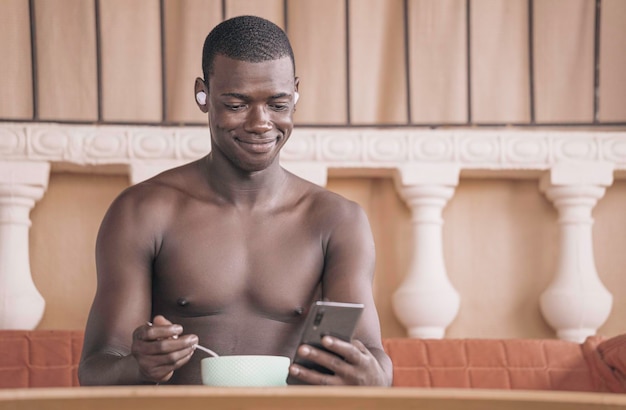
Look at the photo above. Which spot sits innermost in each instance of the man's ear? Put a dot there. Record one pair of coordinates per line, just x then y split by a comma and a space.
296, 94
201, 94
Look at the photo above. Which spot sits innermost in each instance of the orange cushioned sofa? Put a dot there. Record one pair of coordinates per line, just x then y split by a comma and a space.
49, 358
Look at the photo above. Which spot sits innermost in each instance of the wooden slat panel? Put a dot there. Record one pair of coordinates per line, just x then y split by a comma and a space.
66, 55
499, 61
438, 61
563, 44
272, 10
15, 69
378, 89
318, 34
187, 23
131, 65
131, 60
613, 61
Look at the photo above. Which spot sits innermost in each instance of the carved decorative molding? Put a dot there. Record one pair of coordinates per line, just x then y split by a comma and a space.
496, 149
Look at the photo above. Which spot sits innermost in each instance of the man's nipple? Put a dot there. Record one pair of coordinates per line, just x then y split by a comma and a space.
182, 302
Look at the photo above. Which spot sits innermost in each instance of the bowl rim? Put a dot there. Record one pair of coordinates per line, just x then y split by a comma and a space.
247, 356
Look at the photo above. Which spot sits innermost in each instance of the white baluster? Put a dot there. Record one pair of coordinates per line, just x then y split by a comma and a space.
21, 185
576, 303
426, 302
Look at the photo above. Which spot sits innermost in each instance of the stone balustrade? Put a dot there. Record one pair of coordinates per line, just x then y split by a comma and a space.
21, 184
573, 169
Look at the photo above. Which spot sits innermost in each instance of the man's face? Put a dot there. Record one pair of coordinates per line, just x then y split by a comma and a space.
250, 107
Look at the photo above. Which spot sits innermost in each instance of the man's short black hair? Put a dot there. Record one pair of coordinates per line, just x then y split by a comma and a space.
245, 38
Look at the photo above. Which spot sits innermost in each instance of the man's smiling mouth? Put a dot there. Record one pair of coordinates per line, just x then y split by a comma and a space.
257, 146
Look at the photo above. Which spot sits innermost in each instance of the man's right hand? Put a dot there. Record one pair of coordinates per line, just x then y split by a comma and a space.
159, 349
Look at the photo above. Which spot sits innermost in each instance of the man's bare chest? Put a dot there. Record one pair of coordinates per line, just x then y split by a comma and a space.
271, 265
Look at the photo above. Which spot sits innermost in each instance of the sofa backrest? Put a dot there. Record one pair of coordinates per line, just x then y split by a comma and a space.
491, 364
49, 358
41, 358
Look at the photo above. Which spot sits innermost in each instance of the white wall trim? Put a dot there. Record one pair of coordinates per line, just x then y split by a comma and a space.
342, 148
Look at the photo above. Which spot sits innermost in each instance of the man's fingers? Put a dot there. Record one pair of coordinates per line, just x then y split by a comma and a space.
168, 345
358, 353
325, 359
173, 357
351, 368
158, 349
163, 332
351, 352
159, 328
159, 359
312, 377
160, 320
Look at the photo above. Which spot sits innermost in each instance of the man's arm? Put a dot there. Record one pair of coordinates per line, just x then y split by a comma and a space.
120, 347
348, 276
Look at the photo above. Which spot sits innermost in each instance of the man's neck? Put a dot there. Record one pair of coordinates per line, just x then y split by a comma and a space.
243, 188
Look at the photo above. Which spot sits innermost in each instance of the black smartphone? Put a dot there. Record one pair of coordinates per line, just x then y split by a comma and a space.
336, 319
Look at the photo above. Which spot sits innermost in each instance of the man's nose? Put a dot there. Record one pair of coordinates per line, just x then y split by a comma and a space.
258, 121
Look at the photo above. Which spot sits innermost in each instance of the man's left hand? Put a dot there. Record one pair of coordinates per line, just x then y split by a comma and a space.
358, 368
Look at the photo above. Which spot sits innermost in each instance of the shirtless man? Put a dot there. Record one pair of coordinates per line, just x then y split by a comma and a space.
230, 251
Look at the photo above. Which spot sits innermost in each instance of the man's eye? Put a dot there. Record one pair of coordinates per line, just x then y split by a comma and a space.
235, 107
279, 107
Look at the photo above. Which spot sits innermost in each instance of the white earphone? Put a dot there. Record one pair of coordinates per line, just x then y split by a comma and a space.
201, 97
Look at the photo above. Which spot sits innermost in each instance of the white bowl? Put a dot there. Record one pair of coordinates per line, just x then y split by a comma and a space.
245, 370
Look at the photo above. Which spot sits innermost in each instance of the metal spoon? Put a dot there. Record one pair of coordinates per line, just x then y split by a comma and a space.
196, 346
206, 350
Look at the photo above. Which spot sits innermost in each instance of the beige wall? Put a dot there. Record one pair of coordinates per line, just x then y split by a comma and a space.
500, 235
62, 244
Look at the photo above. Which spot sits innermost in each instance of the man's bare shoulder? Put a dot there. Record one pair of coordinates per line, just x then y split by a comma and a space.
157, 195
330, 206
181, 180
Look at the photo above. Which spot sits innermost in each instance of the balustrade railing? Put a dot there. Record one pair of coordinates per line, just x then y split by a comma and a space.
575, 167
